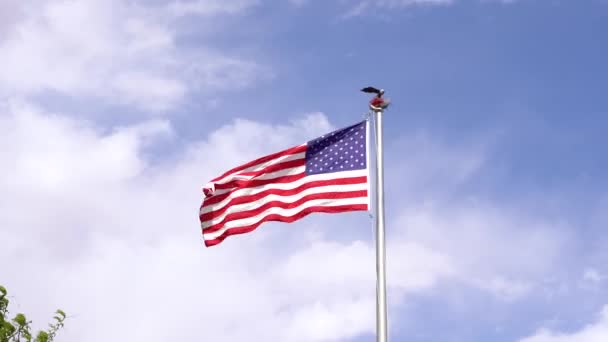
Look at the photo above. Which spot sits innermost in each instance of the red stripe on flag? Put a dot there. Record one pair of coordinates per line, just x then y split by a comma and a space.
252, 184
271, 168
282, 205
281, 192
293, 150
287, 219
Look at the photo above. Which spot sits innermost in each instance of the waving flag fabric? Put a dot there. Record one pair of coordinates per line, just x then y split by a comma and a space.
329, 174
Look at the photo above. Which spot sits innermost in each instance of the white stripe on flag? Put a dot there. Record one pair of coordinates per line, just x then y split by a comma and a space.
285, 199
258, 167
284, 212
281, 186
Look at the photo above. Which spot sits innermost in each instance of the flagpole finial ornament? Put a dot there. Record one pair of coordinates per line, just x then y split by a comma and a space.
378, 103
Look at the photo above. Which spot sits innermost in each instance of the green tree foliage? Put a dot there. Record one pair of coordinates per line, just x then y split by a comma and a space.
18, 329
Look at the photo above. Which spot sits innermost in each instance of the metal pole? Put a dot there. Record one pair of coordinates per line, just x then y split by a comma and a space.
381, 311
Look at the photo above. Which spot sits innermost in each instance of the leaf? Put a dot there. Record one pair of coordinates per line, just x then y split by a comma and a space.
20, 319
42, 337
19, 330
9, 328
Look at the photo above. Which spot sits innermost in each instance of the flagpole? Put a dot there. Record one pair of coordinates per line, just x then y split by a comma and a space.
377, 106
381, 311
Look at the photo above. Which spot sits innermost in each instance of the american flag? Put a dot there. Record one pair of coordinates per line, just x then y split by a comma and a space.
328, 174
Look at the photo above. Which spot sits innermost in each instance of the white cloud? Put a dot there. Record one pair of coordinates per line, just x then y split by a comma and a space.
109, 49
404, 3
499, 248
362, 7
10, 13
298, 2
502, 288
209, 7
504, 253
456, 164
592, 280
592, 275
595, 332
58, 154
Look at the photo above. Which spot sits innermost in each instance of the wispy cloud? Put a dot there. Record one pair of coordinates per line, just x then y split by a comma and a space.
362, 7
594, 332
209, 7
120, 53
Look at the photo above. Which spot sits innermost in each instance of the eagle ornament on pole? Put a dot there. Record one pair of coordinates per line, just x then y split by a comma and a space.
378, 103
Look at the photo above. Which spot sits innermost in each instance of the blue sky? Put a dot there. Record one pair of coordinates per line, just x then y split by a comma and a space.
114, 114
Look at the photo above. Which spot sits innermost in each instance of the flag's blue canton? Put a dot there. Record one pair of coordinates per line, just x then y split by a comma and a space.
342, 150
